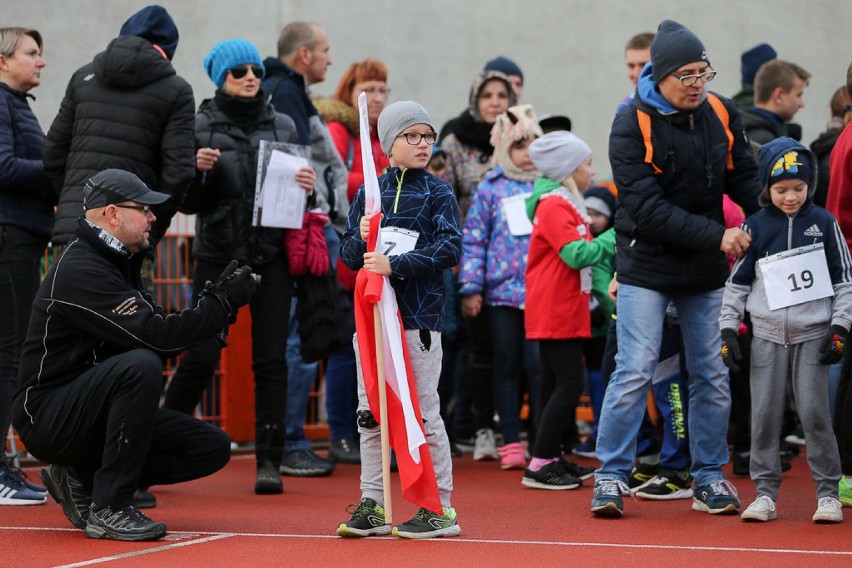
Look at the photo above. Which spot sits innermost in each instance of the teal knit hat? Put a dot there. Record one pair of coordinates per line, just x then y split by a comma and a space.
226, 55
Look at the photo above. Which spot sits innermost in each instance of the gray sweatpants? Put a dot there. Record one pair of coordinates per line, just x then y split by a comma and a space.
426, 365
771, 367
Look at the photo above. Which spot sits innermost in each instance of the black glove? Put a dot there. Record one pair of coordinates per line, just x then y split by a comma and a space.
731, 354
238, 287
832, 345
233, 288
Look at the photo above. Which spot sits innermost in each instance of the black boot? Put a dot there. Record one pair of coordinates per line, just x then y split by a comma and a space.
269, 446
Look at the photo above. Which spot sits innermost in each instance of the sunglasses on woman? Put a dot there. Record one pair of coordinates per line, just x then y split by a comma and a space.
240, 71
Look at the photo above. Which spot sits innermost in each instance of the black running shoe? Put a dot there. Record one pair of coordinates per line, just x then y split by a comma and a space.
552, 476
368, 519
642, 473
67, 490
144, 499
305, 463
577, 470
127, 524
666, 485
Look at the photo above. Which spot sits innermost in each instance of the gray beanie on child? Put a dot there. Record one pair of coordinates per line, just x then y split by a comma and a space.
397, 117
673, 47
557, 154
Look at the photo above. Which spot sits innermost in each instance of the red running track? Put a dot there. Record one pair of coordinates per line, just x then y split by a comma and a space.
218, 521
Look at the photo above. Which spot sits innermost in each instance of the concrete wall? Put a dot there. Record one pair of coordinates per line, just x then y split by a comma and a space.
571, 51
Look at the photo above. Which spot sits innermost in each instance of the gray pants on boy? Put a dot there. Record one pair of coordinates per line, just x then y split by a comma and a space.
771, 365
426, 365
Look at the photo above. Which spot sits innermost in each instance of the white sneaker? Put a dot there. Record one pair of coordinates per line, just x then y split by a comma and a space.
762, 509
829, 510
485, 448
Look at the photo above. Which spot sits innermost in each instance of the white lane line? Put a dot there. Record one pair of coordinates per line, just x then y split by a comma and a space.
146, 551
176, 535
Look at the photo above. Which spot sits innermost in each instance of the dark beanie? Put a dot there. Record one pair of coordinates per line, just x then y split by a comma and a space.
673, 47
154, 24
792, 165
505, 66
753, 59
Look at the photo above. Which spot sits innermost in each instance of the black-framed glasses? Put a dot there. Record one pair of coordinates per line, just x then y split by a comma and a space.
414, 138
143, 208
240, 71
690, 80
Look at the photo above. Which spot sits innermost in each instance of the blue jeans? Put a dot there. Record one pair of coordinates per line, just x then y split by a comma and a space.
641, 318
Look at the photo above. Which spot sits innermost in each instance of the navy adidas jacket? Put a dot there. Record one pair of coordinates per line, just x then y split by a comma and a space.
773, 231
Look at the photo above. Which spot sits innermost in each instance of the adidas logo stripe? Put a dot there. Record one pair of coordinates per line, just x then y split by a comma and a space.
813, 231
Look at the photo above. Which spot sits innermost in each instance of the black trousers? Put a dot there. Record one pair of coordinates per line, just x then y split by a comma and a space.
270, 322
843, 414
107, 425
563, 376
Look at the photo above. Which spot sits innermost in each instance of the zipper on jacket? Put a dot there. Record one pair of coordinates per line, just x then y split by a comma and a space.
787, 310
692, 121
398, 187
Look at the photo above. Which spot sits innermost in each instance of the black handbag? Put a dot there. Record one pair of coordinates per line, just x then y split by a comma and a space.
326, 315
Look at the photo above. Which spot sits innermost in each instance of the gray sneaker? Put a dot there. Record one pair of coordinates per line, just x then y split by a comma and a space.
127, 524
305, 463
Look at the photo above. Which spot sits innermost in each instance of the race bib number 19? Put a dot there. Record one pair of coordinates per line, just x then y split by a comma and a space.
796, 276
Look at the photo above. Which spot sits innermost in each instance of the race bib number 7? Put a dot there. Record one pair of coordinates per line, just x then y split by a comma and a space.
396, 241
796, 276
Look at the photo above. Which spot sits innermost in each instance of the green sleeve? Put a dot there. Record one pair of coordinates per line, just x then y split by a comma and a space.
580, 253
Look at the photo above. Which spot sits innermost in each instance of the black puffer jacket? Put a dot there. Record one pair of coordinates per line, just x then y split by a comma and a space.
127, 109
224, 198
669, 226
26, 199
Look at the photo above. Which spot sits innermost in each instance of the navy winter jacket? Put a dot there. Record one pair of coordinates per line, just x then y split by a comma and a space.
670, 225
26, 198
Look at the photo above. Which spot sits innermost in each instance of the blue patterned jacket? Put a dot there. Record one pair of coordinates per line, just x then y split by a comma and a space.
417, 201
493, 260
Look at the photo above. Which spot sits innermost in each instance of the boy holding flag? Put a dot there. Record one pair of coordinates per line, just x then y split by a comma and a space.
404, 231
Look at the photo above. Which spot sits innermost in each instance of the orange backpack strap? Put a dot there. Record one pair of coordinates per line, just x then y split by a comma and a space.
645, 128
722, 113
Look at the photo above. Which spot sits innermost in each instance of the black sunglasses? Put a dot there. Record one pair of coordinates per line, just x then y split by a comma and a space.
240, 71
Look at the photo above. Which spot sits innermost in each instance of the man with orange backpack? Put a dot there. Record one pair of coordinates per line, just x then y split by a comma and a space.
674, 150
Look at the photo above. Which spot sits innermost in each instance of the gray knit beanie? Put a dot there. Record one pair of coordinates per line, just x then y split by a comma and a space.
673, 47
557, 154
397, 117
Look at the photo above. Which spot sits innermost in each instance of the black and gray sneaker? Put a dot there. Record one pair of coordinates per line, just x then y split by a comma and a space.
426, 524
552, 476
666, 485
368, 519
128, 523
144, 499
305, 463
67, 490
577, 470
345, 450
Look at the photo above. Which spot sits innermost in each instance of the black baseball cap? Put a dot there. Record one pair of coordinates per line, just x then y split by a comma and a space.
116, 186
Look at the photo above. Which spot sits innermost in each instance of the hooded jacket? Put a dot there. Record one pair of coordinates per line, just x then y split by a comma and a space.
127, 109
773, 231
26, 197
670, 225
561, 252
